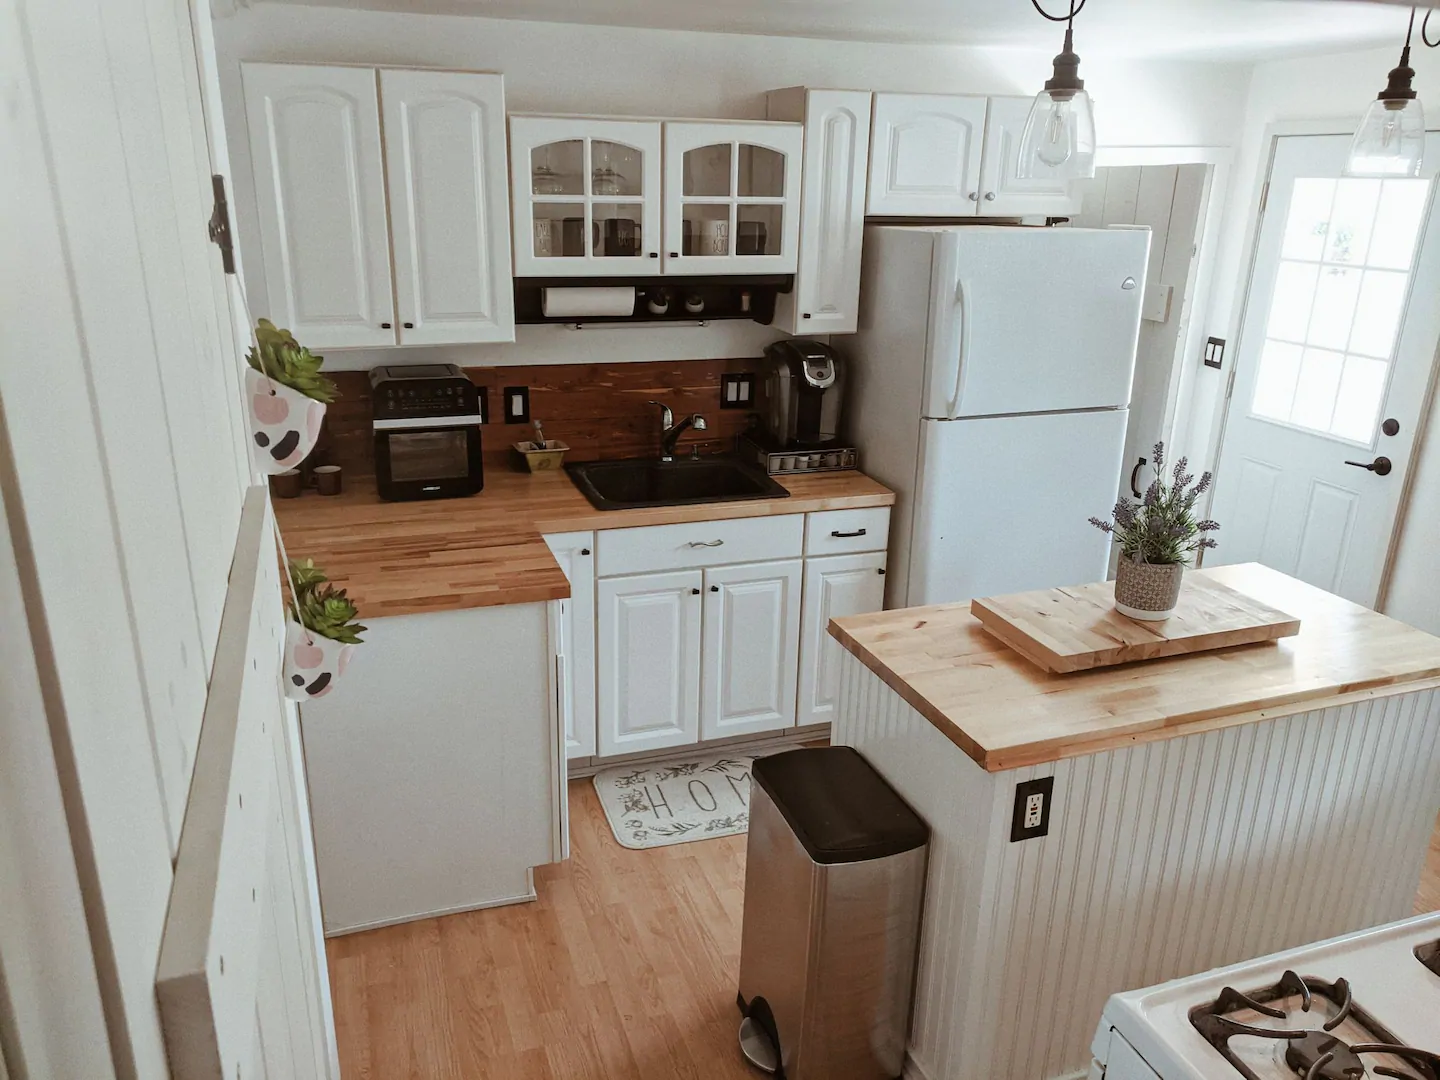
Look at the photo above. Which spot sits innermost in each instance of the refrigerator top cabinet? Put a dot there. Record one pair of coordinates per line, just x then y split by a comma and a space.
1029, 320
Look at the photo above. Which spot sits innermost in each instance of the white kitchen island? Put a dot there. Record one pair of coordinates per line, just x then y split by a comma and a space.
1205, 810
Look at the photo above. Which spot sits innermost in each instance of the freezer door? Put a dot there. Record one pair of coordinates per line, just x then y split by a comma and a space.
1027, 320
1004, 504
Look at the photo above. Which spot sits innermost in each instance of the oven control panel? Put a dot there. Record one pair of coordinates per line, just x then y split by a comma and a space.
422, 390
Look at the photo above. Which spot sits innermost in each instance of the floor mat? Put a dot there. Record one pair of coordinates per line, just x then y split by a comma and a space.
678, 801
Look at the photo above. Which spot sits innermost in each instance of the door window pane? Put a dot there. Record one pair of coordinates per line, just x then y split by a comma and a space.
615, 169
762, 171
1340, 290
707, 170
557, 168
617, 230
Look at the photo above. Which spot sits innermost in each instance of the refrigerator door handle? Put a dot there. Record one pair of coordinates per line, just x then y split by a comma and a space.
962, 301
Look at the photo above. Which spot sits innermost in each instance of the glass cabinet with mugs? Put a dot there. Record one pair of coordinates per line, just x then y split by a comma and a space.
586, 196
732, 197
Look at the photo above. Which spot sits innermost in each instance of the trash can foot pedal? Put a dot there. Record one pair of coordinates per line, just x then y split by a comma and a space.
755, 1044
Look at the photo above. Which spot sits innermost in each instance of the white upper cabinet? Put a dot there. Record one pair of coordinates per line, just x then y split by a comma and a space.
1004, 194
826, 297
732, 197
586, 196
925, 154
320, 193
449, 211
751, 642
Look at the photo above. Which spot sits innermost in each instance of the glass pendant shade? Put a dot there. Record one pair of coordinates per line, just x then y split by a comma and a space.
1059, 137
1390, 141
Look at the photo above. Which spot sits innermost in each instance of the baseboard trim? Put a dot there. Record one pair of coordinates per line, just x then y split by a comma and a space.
769, 743
503, 901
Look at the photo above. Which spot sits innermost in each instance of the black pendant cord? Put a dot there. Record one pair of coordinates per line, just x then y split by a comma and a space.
1069, 16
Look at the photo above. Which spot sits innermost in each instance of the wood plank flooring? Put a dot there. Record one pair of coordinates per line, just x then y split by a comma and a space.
624, 968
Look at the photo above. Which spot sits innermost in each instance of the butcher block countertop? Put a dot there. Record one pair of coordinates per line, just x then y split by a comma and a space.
1006, 712
444, 554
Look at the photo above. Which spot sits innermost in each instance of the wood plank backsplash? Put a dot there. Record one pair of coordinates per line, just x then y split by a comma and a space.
600, 410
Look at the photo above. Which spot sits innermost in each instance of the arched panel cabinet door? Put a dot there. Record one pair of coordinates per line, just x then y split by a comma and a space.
449, 206
320, 196
732, 197
925, 153
1002, 193
587, 196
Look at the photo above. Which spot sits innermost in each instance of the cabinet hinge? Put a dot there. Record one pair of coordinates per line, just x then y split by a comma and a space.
220, 224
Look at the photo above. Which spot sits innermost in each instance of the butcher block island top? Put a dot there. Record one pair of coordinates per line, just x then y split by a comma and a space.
1005, 712
404, 558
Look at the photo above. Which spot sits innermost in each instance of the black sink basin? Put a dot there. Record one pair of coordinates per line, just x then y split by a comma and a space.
627, 485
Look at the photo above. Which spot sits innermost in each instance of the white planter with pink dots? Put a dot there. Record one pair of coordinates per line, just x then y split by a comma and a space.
284, 423
313, 662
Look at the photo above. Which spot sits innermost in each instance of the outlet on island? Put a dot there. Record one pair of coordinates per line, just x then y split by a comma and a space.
1032, 809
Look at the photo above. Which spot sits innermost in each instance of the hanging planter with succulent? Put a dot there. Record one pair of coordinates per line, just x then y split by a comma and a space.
1157, 536
287, 396
320, 635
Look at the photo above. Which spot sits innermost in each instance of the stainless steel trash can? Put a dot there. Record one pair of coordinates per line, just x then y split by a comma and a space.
834, 879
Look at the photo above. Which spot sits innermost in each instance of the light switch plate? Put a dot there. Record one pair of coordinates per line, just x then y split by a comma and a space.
1032, 809
517, 404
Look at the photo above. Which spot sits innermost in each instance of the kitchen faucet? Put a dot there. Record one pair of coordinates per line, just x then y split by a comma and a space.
671, 431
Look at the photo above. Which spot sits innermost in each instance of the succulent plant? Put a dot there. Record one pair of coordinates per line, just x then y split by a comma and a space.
279, 356
1161, 528
320, 607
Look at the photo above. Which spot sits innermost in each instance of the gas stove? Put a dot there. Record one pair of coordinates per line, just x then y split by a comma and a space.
1363, 1005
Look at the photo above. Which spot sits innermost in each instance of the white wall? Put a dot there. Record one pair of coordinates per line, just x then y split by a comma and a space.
1326, 88
625, 71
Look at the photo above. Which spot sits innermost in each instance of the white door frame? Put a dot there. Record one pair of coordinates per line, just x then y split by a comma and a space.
1274, 132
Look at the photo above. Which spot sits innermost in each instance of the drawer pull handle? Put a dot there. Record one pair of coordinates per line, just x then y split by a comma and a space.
847, 535
705, 543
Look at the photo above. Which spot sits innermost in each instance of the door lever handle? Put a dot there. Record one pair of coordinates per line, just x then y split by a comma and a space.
1381, 466
1134, 477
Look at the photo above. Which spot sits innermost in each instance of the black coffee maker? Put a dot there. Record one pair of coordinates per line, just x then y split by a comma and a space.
802, 394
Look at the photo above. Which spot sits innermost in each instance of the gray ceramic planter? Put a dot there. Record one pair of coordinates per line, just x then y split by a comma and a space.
1147, 591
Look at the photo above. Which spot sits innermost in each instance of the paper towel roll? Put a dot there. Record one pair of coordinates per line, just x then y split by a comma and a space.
587, 302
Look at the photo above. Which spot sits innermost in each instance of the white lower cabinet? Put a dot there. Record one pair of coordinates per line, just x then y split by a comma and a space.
649, 661
835, 586
575, 640
749, 648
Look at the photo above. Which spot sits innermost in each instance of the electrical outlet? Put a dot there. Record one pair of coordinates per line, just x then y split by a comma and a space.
1032, 809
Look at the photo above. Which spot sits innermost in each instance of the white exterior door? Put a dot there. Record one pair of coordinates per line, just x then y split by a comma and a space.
732, 197
450, 206
752, 634
575, 552
586, 196
320, 191
925, 154
835, 586
649, 661
826, 298
1002, 192
1334, 359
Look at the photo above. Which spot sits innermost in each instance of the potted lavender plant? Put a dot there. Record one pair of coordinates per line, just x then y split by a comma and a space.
1157, 537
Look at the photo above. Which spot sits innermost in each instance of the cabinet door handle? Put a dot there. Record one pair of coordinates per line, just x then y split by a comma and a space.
714, 588
881, 571
584, 551
694, 592
974, 196
654, 254
384, 326
989, 196
705, 543
408, 325
806, 315
847, 535
1135, 478
674, 254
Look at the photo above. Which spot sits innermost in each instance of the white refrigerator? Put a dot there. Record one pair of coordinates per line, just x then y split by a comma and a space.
990, 387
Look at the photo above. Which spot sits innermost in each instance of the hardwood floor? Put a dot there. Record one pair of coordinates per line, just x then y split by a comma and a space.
624, 968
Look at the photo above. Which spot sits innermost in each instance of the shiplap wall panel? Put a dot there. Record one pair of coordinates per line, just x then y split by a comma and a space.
1163, 859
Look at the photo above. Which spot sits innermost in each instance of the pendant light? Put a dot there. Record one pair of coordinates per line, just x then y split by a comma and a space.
1059, 138
1390, 141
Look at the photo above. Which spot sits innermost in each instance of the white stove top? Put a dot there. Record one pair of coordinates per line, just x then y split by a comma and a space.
1388, 983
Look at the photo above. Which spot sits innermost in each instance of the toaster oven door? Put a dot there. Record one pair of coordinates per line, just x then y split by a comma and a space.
438, 460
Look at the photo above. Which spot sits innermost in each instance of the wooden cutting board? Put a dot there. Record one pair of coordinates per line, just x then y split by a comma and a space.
1075, 629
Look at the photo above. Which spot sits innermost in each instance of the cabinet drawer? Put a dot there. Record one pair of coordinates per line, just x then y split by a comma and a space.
838, 532
699, 544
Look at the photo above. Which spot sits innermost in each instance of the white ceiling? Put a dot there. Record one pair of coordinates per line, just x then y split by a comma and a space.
1191, 29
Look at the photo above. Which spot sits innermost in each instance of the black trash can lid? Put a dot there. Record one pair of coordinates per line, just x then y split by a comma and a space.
839, 807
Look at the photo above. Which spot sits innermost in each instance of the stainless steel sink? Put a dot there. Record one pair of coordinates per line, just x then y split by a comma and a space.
639, 482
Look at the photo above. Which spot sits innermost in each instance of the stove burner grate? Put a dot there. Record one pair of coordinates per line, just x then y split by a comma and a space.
1312, 1054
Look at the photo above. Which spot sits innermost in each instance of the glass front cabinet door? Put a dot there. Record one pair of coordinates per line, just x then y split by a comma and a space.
586, 196
732, 197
